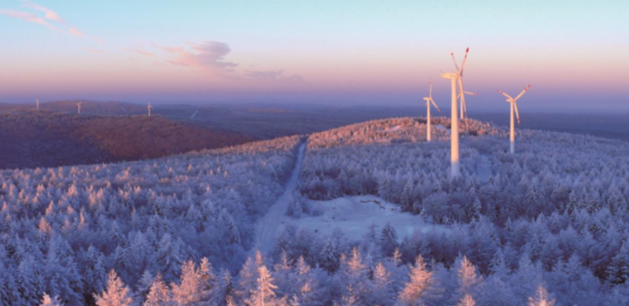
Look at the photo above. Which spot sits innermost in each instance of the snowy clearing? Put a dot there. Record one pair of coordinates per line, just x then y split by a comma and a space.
353, 215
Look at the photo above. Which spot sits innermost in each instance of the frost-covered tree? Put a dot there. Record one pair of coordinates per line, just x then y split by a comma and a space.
264, 293
50, 301
116, 293
541, 298
420, 282
158, 294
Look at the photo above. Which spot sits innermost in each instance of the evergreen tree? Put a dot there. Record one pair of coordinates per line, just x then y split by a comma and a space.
158, 294
328, 259
541, 298
264, 294
420, 281
188, 290
388, 240
382, 290
116, 293
48, 301
618, 270
467, 300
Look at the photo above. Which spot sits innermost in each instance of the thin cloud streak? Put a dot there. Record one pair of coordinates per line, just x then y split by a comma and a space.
30, 17
49, 15
143, 52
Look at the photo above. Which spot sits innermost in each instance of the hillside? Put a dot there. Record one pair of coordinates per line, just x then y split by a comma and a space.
48, 139
365, 212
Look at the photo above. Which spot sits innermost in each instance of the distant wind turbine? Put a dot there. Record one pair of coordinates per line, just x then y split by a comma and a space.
429, 100
37, 104
455, 79
149, 108
514, 106
79, 106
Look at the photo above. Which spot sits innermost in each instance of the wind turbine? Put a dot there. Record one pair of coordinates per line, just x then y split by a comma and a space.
462, 91
455, 79
79, 106
149, 108
37, 104
429, 100
514, 106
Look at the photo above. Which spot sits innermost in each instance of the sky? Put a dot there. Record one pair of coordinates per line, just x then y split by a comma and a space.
574, 53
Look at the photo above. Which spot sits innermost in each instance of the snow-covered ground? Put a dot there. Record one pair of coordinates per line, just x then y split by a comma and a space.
268, 227
354, 214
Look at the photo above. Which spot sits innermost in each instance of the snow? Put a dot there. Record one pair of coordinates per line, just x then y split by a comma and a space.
267, 227
483, 169
393, 129
354, 214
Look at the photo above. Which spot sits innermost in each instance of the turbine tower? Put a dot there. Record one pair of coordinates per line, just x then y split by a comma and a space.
429, 100
149, 108
37, 104
514, 106
455, 79
79, 106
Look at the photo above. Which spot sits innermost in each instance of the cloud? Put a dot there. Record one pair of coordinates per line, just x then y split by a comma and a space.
51, 19
30, 17
143, 52
49, 14
207, 56
95, 50
272, 75
76, 32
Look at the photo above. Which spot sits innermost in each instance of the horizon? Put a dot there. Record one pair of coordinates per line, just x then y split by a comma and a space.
350, 53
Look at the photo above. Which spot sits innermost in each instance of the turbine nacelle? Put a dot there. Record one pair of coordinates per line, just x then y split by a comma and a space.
451, 76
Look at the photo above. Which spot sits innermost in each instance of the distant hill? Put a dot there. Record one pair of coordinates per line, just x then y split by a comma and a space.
43, 138
111, 108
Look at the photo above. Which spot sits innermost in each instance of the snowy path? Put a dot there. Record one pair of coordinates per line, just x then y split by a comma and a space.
195, 113
268, 226
483, 169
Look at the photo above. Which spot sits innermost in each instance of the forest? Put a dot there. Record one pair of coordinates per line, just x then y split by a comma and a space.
546, 226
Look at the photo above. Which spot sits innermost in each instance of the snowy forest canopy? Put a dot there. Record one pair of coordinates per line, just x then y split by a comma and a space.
546, 225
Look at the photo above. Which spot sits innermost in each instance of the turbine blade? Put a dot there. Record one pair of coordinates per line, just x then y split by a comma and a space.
517, 115
431, 87
471, 93
454, 60
435, 104
464, 59
505, 94
522, 93
463, 106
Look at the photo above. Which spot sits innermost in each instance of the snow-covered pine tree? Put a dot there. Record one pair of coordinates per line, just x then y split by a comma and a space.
541, 298
50, 301
420, 281
188, 290
158, 294
467, 300
116, 293
388, 240
264, 293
